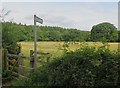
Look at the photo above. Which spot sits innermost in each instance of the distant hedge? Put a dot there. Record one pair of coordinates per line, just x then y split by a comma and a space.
86, 67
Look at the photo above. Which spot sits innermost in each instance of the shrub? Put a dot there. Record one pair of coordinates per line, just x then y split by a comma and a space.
6, 76
87, 66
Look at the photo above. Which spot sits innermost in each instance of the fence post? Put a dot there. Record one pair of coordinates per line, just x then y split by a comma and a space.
20, 63
31, 60
5, 57
19, 48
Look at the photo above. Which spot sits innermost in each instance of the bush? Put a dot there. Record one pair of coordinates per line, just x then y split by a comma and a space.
6, 76
88, 66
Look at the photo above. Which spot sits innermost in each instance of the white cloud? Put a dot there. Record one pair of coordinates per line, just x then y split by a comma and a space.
75, 15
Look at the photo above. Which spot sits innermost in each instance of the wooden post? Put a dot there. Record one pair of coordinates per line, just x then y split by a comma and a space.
2, 58
19, 48
20, 63
35, 43
5, 61
32, 62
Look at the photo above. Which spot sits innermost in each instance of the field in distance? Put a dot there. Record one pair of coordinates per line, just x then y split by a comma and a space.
56, 48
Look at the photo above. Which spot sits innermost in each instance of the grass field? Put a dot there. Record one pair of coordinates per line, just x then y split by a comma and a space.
55, 48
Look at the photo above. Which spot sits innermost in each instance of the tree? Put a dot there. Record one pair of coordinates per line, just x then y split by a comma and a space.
10, 37
54, 35
118, 35
104, 32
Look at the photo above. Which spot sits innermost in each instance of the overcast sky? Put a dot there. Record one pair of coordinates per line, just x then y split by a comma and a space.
80, 15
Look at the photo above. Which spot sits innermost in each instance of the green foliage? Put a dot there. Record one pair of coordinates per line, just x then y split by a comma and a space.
106, 32
0, 35
10, 36
6, 76
13, 32
66, 47
118, 35
88, 66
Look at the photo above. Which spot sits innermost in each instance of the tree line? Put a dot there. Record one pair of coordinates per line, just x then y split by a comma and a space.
20, 32
13, 32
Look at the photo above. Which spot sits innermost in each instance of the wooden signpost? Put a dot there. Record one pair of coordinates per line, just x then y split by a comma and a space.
39, 20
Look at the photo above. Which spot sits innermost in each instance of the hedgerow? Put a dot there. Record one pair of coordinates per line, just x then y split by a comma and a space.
86, 67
